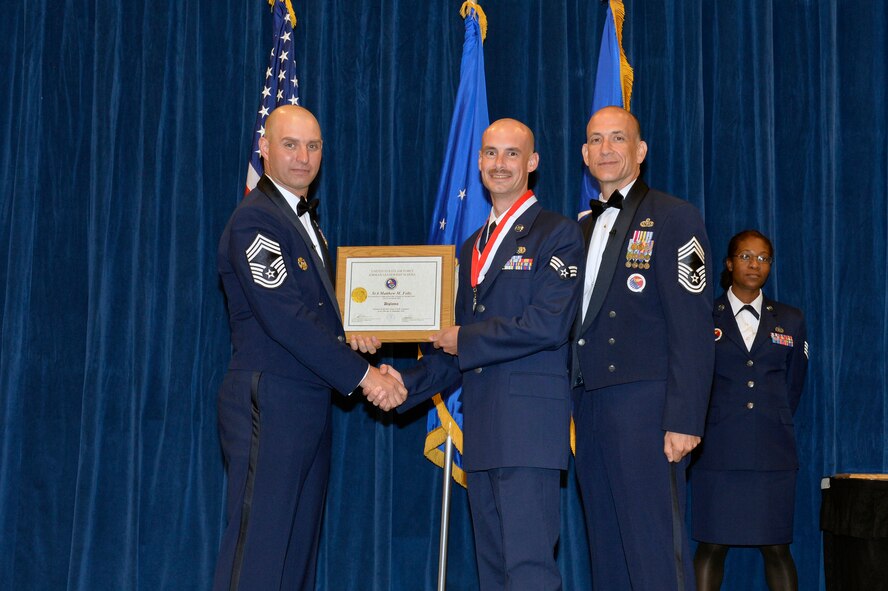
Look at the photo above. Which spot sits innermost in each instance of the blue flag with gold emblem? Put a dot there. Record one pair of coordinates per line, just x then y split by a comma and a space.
461, 207
613, 82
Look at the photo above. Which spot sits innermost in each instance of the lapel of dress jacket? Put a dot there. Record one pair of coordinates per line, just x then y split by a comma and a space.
613, 250
723, 316
767, 324
267, 187
587, 226
509, 246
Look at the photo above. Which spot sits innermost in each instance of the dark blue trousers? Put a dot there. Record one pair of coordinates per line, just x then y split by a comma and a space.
516, 519
633, 497
276, 439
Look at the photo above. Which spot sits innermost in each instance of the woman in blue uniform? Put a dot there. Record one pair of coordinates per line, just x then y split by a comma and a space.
743, 478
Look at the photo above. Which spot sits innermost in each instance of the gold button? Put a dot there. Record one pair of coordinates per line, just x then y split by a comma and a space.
581, 342
611, 368
750, 405
749, 363
750, 384
612, 314
611, 341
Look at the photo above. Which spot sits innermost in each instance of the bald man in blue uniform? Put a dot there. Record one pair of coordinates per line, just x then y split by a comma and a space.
642, 365
288, 355
519, 282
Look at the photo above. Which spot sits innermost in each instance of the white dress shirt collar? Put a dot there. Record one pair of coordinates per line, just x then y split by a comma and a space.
293, 200
736, 304
624, 191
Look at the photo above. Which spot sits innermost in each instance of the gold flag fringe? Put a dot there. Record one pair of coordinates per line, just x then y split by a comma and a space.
289, 9
479, 16
626, 74
438, 437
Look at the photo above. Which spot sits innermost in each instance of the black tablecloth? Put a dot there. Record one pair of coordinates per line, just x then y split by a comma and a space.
854, 520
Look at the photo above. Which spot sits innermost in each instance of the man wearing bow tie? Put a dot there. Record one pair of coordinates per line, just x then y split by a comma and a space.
642, 364
288, 355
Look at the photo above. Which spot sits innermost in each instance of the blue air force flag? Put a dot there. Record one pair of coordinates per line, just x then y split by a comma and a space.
461, 207
613, 83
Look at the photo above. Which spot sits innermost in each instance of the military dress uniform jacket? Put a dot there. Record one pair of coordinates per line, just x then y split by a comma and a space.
513, 346
755, 392
649, 315
281, 301
288, 353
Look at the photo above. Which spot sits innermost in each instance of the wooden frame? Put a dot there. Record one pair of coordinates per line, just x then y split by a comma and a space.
443, 255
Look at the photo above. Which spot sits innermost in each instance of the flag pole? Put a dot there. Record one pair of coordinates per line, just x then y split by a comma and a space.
445, 513
460, 209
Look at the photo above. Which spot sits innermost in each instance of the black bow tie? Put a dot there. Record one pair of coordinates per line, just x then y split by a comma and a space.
597, 207
310, 206
749, 308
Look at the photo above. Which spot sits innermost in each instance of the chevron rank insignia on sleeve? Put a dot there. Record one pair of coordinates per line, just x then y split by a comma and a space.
266, 262
564, 271
692, 266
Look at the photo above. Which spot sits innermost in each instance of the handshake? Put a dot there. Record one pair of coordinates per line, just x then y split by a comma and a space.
383, 386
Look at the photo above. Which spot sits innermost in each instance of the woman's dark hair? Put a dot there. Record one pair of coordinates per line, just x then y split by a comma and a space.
726, 278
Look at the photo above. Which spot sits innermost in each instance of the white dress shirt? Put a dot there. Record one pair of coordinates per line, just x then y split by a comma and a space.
746, 320
603, 227
305, 218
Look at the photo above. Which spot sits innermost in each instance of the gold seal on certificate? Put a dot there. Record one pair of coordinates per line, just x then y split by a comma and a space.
397, 293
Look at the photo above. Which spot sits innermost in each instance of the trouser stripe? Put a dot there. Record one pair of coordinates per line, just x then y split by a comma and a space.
677, 526
248, 488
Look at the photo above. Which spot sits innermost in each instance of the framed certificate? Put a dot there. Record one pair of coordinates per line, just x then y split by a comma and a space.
401, 294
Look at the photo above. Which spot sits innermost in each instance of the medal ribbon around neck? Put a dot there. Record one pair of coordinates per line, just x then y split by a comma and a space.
481, 261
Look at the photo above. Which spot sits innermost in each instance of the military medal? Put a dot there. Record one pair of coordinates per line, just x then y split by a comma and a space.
641, 247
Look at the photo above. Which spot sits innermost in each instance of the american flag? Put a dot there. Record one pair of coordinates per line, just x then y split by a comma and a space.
281, 84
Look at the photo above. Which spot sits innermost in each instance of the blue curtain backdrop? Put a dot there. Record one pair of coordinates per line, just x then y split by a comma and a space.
127, 126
